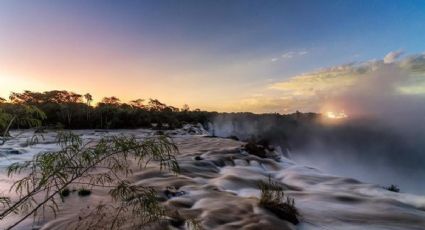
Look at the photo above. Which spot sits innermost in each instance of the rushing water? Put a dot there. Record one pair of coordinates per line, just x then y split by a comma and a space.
218, 185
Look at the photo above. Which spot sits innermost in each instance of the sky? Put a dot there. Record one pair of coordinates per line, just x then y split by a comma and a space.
258, 56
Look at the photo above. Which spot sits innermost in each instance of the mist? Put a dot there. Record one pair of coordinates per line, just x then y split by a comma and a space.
382, 141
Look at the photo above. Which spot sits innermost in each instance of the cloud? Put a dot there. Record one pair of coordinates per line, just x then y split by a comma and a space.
372, 86
301, 53
291, 54
288, 55
392, 56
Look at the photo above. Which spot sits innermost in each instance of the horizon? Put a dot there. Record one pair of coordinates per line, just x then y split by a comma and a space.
212, 114
258, 57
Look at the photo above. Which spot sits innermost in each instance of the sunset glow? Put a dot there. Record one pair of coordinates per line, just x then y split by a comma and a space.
336, 115
212, 114
241, 57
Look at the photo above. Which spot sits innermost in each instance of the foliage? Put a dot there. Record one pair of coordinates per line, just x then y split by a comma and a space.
271, 191
273, 199
74, 111
393, 188
94, 164
193, 224
26, 116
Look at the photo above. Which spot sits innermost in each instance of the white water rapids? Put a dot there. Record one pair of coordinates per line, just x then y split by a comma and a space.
218, 185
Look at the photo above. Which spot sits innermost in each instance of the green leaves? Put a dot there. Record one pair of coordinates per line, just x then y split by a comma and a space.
22, 116
103, 163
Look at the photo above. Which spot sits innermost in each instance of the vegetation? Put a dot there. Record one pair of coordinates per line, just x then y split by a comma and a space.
21, 115
95, 164
273, 199
393, 188
74, 111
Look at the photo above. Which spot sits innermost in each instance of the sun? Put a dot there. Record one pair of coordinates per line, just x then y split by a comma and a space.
336, 115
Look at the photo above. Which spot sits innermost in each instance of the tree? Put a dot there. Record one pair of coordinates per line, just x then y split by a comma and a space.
68, 102
185, 108
138, 103
111, 100
88, 98
27, 97
76, 163
23, 116
2, 100
156, 105
74, 111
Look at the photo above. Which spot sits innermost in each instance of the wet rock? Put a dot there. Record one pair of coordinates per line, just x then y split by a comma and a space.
219, 163
171, 192
255, 149
262, 149
176, 222
392, 188
12, 151
233, 137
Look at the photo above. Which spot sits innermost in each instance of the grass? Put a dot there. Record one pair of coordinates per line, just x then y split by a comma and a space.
273, 199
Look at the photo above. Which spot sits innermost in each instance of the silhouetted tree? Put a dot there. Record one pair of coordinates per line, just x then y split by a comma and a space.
67, 109
185, 108
111, 100
138, 103
156, 105
88, 98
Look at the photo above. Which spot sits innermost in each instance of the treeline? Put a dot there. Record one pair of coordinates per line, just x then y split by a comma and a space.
70, 110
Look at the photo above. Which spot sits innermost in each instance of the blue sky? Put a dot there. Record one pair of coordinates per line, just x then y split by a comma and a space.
210, 53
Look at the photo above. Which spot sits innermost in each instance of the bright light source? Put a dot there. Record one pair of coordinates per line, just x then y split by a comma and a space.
333, 115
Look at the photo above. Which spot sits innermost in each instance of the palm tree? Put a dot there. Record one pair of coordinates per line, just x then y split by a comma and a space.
88, 98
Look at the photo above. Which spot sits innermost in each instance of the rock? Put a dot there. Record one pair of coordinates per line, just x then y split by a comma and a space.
11, 151
177, 222
255, 149
171, 192
233, 137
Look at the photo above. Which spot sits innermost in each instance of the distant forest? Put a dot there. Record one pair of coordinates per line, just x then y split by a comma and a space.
64, 109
